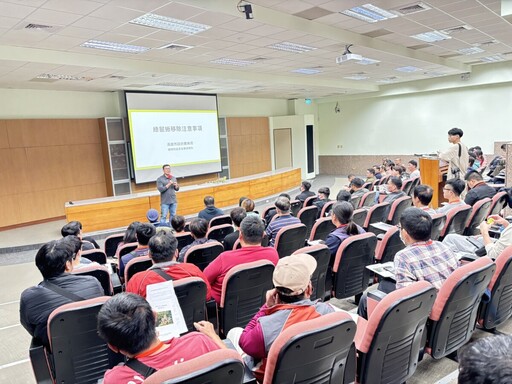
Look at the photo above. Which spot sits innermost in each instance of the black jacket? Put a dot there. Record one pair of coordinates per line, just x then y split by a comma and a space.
479, 192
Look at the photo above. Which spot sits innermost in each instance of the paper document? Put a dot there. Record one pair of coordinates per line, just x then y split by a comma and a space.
386, 270
170, 321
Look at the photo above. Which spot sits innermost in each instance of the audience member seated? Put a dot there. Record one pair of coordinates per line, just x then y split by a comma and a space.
451, 192
343, 196
144, 232
198, 230
283, 219
75, 228
130, 235
468, 245
153, 217
304, 191
211, 210
287, 304
341, 216
128, 324
237, 215
356, 187
371, 175
412, 169
421, 198
76, 244
249, 205
55, 262
498, 163
378, 171
273, 211
251, 235
323, 197
163, 252
471, 164
478, 189
398, 171
486, 361
388, 166
241, 200
394, 191
178, 224
422, 258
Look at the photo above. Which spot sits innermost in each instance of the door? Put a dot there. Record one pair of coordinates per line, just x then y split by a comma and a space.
283, 148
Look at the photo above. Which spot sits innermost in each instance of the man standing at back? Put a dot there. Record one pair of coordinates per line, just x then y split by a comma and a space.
167, 185
456, 156
282, 219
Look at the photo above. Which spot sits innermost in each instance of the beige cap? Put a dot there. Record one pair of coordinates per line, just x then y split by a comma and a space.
294, 272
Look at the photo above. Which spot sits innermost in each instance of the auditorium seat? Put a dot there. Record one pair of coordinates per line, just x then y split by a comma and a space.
309, 201
454, 314
322, 256
456, 219
111, 244
308, 216
397, 207
238, 245
191, 294
415, 183
137, 264
389, 245
100, 272
359, 216
326, 209
244, 290
499, 202
438, 223
355, 201
369, 185
216, 367
289, 239
219, 232
389, 342
203, 254
313, 351
407, 186
295, 207
184, 239
494, 313
266, 211
220, 220
95, 255
322, 227
368, 199
125, 249
479, 213
375, 214
350, 275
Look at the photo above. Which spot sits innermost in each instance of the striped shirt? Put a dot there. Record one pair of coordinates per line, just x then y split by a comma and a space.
278, 223
426, 260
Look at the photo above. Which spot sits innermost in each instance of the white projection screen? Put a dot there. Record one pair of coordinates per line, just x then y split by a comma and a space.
177, 129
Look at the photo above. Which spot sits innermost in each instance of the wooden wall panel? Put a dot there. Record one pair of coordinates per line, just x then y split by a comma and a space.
4, 139
192, 180
10, 210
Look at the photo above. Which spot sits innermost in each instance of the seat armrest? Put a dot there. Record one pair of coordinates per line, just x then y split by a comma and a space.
380, 236
116, 283
39, 362
373, 299
212, 314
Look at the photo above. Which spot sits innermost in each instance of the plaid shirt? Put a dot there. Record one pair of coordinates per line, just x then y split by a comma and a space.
426, 260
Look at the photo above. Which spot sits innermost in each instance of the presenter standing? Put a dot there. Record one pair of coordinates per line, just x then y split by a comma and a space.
167, 185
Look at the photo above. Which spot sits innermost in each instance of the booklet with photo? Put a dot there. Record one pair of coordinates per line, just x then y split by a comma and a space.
170, 321
386, 270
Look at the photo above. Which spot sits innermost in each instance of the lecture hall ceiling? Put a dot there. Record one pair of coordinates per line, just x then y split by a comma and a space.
288, 50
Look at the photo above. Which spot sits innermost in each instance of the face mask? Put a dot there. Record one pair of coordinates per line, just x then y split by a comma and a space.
401, 238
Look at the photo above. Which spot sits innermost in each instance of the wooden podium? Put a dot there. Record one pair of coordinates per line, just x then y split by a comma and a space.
432, 172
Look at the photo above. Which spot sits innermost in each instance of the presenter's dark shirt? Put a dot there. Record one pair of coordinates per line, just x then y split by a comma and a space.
167, 195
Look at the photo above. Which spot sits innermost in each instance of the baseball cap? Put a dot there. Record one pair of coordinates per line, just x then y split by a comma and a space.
294, 273
152, 215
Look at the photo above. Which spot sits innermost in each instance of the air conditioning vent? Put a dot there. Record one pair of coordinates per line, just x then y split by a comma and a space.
38, 26
412, 8
460, 28
176, 47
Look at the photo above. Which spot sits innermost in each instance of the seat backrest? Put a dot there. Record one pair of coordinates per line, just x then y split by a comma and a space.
312, 351
499, 308
390, 344
368, 199
478, 214
397, 207
359, 216
407, 186
456, 219
125, 249
266, 210
96, 255
327, 208
219, 232
375, 214
415, 183
307, 216
191, 294
322, 256
355, 200
244, 291
499, 201
438, 223
351, 277
290, 238
203, 254
295, 207
184, 239
79, 354
111, 244
216, 367
309, 201
100, 272
322, 227
369, 184
453, 316
389, 245
219, 220
137, 264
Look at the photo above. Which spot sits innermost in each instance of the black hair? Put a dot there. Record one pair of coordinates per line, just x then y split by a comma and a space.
166, 165
417, 223
127, 322
413, 162
357, 182
237, 215
71, 228
471, 160
396, 181
503, 147
283, 204
209, 201
240, 200
399, 169
162, 247
343, 211
325, 191
343, 195
130, 233
371, 170
457, 185
198, 228
51, 258
75, 243
285, 195
248, 205
456, 132
473, 175
145, 231
178, 223
252, 230
423, 193
285, 297
306, 185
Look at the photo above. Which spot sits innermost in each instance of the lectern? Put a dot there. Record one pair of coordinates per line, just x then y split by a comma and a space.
432, 171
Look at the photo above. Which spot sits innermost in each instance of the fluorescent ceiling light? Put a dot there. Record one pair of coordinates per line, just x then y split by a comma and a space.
180, 85
470, 50
407, 69
492, 59
235, 62
432, 36
50, 76
367, 61
116, 47
307, 71
168, 23
291, 47
369, 13
356, 77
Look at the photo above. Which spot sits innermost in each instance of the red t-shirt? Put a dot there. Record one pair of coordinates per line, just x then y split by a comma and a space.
180, 349
218, 268
138, 283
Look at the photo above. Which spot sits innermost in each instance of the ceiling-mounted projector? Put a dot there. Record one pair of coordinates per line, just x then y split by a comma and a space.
347, 56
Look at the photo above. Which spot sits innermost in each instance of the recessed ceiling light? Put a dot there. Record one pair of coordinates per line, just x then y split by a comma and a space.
168, 23
291, 47
357, 76
470, 50
492, 59
432, 36
116, 47
367, 61
49, 76
307, 71
369, 13
235, 62
407, 69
